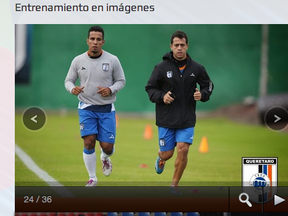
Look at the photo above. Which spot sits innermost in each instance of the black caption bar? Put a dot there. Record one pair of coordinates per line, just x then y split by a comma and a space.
142, 199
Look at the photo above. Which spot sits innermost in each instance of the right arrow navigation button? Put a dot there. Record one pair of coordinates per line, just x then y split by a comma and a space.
278, 200
276, 118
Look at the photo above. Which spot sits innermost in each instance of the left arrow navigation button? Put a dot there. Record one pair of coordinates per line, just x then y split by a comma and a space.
34, 118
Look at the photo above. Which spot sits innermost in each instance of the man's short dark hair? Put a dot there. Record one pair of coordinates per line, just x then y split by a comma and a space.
179, 34
96, 29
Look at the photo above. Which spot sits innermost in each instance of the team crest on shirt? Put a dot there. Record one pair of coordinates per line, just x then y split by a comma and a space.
105, 67
169, 74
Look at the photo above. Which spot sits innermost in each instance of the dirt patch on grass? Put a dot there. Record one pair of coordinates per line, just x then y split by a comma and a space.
247, 114
240, 113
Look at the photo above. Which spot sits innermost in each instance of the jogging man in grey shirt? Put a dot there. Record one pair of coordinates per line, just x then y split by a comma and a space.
101, 77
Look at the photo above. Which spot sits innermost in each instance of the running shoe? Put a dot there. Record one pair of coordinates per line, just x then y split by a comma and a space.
159, 165
175, 190
106, 166
91, 183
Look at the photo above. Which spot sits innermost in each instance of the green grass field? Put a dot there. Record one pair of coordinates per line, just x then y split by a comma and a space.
57, 148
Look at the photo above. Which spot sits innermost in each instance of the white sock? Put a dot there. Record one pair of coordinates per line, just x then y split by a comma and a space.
90, 163
104, 155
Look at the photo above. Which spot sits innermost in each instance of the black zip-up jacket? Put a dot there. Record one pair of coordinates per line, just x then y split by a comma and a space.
165, 77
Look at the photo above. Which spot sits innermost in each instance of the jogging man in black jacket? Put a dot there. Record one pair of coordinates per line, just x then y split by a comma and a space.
173, 87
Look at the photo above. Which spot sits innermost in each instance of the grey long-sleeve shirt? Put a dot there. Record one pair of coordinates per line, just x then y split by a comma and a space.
105, 71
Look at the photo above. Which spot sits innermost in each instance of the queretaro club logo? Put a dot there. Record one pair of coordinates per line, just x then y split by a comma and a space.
259, 178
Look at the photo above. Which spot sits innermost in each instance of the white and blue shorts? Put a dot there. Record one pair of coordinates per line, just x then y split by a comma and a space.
169, 137
103, 125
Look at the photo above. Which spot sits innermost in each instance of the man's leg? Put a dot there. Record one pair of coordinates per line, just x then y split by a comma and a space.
107, 149
89, 157
106, 137
166, 147
163, 156
88, 130
180, 162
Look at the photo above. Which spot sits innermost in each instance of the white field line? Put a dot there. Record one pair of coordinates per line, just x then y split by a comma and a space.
27, 160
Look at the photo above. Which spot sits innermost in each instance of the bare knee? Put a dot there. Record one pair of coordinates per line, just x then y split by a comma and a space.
166, 155
182, 149
89, 142
108, 148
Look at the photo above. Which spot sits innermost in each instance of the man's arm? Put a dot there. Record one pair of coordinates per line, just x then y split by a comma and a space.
206, 85
153, 89
71, 78
118, 78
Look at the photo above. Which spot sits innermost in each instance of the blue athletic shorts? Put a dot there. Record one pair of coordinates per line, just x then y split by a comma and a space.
101, 124
169, 137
